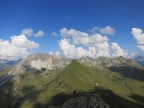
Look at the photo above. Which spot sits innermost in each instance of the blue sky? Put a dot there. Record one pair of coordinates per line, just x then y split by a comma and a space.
82, 15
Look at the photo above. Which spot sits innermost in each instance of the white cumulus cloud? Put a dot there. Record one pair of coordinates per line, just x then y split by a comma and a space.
71, 33
118, 51
139, 37
30, 32
22, 41
17, 47
76, 44
67, 48
54, 34
27, 32
39, 34
71, 51
108, 30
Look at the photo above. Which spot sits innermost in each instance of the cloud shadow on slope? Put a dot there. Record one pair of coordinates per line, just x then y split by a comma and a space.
108, 96
129, 72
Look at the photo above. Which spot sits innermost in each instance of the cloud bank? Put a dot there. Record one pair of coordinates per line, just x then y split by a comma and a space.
77, 44
18, 47
139, 37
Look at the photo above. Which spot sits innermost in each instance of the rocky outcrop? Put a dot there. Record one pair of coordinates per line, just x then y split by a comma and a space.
41, 62
107, 62
85, 101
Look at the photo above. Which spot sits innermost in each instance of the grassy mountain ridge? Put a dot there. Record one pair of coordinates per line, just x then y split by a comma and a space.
42, 87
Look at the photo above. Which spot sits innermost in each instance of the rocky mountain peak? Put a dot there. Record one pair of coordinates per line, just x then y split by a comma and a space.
36, 62
107, 62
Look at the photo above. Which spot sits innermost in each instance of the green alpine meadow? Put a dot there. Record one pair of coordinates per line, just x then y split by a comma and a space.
120, 85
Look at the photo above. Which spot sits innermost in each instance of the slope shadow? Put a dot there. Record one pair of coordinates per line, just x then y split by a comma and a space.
138, 98
129, 72
31, 95
6, 98
108, 96
116, 101
57, 100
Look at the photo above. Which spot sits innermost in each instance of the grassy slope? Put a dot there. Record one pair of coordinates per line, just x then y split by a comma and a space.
4, 71
42, 87
82, 77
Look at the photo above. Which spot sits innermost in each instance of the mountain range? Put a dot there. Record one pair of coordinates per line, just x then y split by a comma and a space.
139, 60
43, 81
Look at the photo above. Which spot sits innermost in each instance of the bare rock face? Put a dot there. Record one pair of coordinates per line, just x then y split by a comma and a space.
37, 62
106, 62
47, 61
